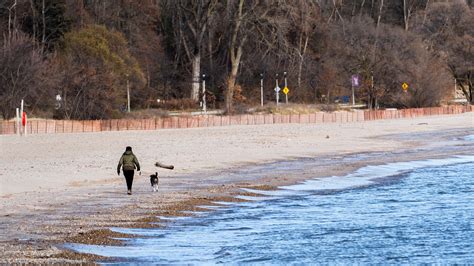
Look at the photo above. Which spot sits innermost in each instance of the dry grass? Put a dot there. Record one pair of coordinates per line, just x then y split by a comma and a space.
286, 109
146, 113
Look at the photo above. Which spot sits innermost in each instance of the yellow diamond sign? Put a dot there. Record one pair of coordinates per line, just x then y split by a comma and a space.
286, 90
405, 86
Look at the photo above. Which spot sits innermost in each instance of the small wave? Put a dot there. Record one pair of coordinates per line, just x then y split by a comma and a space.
235, 229
251, 198
369, 175
138, 231
279, 192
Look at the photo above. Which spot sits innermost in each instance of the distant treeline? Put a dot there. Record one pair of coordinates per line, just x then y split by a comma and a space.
90, 51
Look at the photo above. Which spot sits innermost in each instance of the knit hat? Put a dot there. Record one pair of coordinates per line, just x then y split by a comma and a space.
128, 148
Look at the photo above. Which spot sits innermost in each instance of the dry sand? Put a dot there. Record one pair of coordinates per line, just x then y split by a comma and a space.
57, 188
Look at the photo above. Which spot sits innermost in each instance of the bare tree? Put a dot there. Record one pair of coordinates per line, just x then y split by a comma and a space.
447, 31
11, 6
409, 9
304, 17
258, 25
235, 47
191, 22
398, 57
24, 74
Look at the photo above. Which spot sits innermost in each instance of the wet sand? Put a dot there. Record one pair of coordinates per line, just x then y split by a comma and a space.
64, 188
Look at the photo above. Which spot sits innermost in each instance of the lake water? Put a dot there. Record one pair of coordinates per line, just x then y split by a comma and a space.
410, 212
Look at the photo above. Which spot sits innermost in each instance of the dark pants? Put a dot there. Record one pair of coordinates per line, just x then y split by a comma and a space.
129, 177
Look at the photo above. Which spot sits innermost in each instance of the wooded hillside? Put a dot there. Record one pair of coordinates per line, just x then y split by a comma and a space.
90, 51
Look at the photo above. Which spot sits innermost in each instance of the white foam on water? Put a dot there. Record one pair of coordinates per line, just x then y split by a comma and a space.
255, 191
137, 231
367, 175
226, 203
195, 213
250, 198
172, 218
209, 207
115, 251
469, 138
277, 193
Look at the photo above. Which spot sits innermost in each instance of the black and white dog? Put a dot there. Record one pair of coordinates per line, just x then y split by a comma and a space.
154, 180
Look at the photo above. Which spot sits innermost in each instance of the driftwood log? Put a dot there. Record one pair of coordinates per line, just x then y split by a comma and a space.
158, 164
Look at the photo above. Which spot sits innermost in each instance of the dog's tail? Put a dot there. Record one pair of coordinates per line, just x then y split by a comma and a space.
158, 164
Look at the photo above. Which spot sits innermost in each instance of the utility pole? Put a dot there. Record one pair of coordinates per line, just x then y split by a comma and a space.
261, 89
277, 90
372, 91
353, 84
353, 97
128, 95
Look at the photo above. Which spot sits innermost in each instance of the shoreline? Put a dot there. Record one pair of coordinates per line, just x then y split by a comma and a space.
76, 213
184, 209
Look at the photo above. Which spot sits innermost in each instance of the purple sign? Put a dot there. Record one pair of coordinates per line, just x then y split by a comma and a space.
355, 81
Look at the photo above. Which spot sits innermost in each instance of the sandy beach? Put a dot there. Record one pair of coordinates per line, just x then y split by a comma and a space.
60, 188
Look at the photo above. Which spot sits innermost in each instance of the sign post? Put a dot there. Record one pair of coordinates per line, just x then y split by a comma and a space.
21, 114
285, 90
404, 86
58, 102
24, 121
21, 106
261, 89
204, 107
277, 90
355, 83
18, 123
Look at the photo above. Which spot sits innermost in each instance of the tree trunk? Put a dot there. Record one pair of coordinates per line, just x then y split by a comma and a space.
33, 11
424, 15
380, 13
230, 93
9, 24
14, 16
328, 99
43, 39
471, 89
235, 55
66, 113
300, 65
235, 61
196, 76
405, 15
300, 69
162, 165
209, 47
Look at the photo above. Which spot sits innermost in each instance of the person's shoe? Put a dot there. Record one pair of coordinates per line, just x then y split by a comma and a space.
129, 192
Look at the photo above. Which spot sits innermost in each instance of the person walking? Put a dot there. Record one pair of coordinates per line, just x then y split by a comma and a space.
129, 162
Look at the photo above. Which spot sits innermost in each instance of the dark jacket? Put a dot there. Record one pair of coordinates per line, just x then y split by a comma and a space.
129, 161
